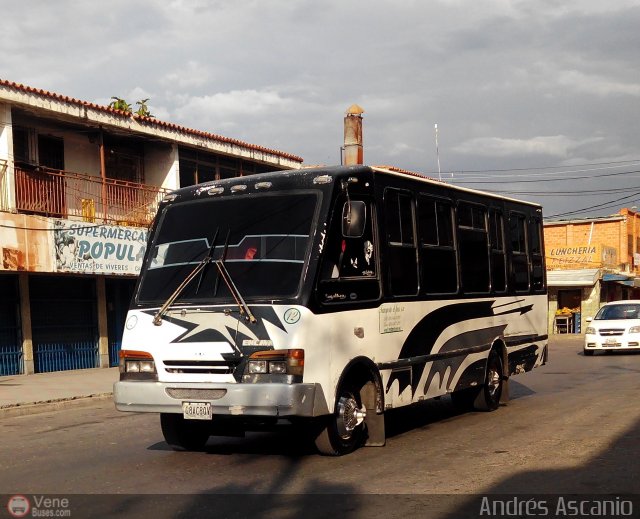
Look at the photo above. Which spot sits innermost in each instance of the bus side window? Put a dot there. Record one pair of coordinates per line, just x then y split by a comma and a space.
438, 261
518, 258
402, 251
473, 247
535, 250
498, 252
350, 256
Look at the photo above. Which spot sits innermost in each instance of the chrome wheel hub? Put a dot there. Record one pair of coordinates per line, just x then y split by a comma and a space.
493, 382
349, 416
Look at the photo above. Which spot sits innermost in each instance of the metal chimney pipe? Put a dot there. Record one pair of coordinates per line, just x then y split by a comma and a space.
353, 153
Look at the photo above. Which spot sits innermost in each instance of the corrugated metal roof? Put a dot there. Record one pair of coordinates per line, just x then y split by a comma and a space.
612, 276
573, 278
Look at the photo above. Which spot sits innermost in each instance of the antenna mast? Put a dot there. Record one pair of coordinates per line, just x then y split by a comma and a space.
438, 152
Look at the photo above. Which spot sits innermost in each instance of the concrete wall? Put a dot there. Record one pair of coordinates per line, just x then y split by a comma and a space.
616, 232
7, 188
161, 165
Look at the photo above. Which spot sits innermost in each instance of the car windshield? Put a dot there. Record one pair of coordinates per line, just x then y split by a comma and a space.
263, 241
622, 311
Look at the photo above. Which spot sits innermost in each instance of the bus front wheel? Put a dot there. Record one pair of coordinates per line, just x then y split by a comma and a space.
343, 431
184, 435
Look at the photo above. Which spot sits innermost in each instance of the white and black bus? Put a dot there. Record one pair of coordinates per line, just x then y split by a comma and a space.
327, 296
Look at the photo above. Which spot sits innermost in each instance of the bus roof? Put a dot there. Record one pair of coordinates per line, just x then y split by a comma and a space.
304, 175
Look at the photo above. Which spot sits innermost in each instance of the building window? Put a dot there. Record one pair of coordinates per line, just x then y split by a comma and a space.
51, 152
24, 145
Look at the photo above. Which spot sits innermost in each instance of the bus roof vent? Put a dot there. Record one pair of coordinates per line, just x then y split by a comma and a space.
323, 179
215, 190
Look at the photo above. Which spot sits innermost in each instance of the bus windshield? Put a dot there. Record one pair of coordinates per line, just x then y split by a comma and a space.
263, 241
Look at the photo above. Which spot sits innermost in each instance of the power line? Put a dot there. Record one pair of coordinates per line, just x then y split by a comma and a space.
598, 206
549, 179
610, 164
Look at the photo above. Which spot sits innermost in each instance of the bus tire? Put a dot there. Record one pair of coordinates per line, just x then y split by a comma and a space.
463, 399
184, 435
344, 430
488, 398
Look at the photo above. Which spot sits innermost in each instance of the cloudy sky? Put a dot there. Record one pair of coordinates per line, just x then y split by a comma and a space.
539, 99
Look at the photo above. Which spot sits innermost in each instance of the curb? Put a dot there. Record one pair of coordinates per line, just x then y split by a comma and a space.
13, 410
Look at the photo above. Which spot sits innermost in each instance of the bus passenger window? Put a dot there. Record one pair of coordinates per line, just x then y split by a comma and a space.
350, 257
357, 258
402, 264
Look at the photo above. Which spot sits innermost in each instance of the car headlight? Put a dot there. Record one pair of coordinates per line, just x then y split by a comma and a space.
590, 330
634, 329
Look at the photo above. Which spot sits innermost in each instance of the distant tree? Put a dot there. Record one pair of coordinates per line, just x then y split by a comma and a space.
143, 109
120, 104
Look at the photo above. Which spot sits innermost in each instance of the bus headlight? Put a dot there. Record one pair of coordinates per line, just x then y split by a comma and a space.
137, 365
257, 366
277, 366
286, 365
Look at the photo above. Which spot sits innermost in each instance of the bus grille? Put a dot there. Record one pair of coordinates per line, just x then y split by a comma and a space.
206, 367
181, 393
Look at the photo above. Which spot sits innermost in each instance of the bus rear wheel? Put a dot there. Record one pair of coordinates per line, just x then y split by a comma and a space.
489, 396
344, 430
184, 435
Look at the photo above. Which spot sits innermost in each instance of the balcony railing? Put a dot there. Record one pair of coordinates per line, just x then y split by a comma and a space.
64, 194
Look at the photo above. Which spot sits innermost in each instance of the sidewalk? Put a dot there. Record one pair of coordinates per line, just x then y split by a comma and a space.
28, 394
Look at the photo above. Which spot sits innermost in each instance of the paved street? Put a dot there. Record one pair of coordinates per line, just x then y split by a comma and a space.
572, 426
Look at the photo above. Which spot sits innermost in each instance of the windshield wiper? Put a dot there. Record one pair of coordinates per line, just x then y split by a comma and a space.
209, 256
157, 319
235, 293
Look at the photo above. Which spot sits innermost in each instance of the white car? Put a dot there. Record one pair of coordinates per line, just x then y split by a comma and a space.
616, 327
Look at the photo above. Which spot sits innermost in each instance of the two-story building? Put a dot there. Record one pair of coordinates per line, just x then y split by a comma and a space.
590, 261
79, 186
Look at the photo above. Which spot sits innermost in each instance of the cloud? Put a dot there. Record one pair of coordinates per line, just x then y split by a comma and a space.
510, 83
558, 146
596, 85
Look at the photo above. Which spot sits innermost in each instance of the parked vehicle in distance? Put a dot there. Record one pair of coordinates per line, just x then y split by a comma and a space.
616, 327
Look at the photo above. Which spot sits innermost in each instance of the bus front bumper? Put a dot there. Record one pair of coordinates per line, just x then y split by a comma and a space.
266, 399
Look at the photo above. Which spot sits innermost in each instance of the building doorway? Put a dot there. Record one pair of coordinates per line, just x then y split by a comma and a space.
571, 302
119, 293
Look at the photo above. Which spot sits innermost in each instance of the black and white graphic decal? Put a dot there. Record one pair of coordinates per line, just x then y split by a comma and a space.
418, 347
218, 326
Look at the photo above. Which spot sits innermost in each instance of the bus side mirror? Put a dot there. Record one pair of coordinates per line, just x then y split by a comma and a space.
354, 216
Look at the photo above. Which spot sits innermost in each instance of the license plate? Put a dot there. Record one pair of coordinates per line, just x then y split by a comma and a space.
611, 342
197, 411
